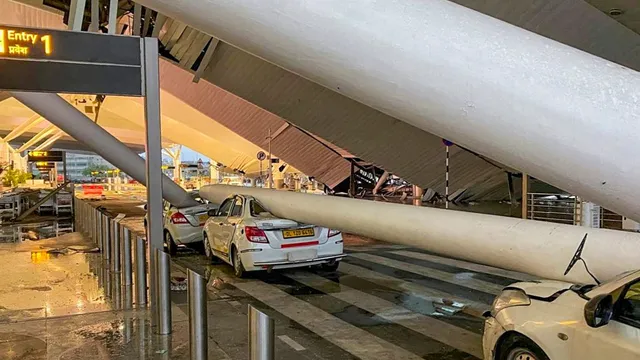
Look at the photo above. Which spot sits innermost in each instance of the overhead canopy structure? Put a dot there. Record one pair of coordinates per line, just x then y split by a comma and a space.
213, 128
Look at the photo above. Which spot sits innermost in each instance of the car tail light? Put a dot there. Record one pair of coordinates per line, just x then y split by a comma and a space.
255, 235
178, 218
333, 232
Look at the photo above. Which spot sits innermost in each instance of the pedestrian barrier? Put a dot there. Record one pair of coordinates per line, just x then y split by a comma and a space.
92, 189
124, 270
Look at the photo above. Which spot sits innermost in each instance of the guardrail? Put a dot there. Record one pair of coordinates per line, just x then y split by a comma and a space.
554, 208
125, 255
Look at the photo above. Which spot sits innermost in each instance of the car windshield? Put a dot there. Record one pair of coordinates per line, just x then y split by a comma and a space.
257, 209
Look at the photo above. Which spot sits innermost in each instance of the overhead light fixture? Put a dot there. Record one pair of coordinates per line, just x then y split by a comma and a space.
615, 12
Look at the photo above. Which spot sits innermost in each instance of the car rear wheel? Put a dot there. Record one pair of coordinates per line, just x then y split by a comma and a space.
331, 266
172, 248
238, 268
518, 347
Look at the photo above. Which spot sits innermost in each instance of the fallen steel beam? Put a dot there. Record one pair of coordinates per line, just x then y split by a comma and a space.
539, 248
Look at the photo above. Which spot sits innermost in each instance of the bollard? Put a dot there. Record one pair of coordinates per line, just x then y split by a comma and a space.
106, 239
141, 271
261, 335
197, 295
115, 245
163, 302
101, 231
125, 245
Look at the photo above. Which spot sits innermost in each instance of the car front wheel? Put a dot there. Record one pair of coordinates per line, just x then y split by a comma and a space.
519, 347
207, 248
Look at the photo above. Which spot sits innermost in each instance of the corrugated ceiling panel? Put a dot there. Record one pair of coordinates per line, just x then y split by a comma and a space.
253, 123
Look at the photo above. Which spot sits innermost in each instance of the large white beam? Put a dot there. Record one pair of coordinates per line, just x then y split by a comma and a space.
557, 113
49, 143
539, 248
79, 126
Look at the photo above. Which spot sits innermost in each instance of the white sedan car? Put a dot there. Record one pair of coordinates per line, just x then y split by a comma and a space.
556, 320
183, 226
245, 235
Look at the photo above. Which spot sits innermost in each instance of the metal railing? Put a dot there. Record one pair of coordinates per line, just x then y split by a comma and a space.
554, 208
125, 256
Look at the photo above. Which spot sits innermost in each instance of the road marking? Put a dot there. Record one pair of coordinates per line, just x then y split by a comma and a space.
289, 341
463, 279
377, 247
473, 308
352, 339
467, 265
440, 331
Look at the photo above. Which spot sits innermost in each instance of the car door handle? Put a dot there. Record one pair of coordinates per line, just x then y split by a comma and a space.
220, 224
232, 224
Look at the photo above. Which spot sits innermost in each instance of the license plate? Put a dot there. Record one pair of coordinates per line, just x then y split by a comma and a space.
203, 218
289, 234
302, 255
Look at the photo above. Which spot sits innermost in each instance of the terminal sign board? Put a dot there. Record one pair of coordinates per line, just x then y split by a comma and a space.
45, 156
47, 60
45, 165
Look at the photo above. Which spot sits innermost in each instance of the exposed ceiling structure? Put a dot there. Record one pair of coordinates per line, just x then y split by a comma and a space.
224, 127
605, 28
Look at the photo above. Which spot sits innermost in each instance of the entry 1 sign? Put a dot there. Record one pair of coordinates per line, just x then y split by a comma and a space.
46, 60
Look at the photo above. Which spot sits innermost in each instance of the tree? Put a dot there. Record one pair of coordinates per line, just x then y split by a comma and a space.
96, 170
14, 177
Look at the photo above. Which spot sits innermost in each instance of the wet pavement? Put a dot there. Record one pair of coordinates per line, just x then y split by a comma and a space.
58, 300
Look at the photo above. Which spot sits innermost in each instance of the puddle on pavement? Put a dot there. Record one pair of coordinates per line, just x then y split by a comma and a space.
35, 231
19, 346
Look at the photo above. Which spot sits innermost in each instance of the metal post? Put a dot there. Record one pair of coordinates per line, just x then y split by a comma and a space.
153, 147
125, 235
76, 14
106, 238
163, 263
95, 16
141, 271
197, 295
525, 195
446, 180
113, 15
115, 245
261, 335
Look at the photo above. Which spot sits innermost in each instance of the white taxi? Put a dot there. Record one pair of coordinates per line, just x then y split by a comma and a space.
544, 320
245, 235
183, 226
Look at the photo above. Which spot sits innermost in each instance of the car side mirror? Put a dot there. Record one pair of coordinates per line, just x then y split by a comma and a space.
212, 212
599, 310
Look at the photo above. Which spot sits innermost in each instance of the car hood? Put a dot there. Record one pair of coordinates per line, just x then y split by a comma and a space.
542, 288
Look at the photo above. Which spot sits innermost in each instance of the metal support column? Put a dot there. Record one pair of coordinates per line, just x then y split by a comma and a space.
163, 264
198, 337
261, 335
153, 147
